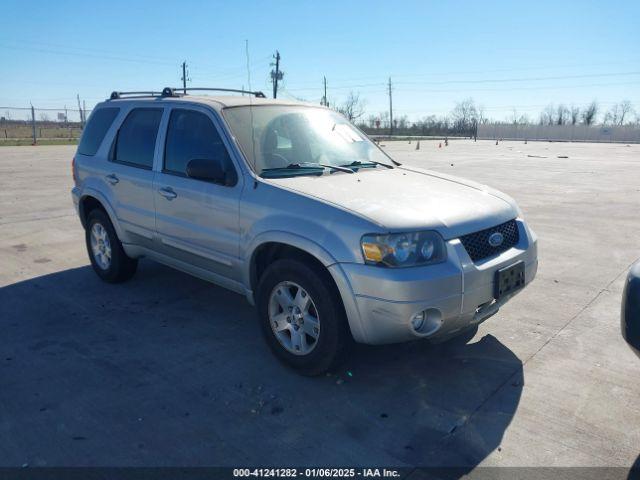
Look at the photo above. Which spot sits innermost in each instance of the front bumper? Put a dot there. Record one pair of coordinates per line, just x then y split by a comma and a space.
380, 302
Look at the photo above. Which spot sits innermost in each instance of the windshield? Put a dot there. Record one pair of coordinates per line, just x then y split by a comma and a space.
294, 140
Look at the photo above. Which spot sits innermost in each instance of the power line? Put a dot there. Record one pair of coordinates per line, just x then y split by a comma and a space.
477, 81
82, 49
471, 72
529, 107
524, 79
287, 92
517, 89
88, 55
118, 58
107, 55
232, 72
472, 90
342, 87
517, 69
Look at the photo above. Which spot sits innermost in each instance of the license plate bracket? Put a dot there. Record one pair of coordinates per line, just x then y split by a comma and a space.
509, 280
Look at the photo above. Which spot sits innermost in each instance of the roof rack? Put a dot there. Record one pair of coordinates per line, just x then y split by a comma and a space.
233, 90
116, 95
176, 92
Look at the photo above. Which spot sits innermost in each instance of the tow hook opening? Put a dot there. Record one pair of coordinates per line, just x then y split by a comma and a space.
485, 310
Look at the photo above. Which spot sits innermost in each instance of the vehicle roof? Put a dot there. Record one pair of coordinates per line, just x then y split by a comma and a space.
217, 102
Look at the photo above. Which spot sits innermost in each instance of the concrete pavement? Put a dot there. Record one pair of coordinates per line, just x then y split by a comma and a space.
169, 370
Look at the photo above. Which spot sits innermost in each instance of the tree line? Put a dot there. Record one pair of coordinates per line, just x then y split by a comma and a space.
466, 115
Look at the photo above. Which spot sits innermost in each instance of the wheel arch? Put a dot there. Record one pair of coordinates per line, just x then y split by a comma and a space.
284, 245
90, 200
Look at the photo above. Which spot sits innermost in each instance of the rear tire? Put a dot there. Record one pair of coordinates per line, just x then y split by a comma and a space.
302, 317
107, 256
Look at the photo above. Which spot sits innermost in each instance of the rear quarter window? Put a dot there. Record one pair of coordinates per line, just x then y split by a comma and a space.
96, 129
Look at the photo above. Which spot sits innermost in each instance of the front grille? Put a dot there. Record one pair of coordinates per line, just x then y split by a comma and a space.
477, 244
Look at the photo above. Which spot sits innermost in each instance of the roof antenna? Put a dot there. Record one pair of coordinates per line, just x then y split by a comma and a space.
253, 132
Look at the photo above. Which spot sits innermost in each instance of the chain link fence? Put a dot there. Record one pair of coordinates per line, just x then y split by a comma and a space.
33, 125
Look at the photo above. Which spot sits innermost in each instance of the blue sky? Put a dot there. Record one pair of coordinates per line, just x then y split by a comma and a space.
506, 55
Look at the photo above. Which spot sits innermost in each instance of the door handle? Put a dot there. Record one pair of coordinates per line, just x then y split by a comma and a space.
168, 193
112, 179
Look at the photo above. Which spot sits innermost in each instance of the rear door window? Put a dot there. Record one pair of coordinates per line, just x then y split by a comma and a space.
96, 129
136, 140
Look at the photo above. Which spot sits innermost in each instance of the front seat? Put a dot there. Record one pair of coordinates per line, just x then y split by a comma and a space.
273, 159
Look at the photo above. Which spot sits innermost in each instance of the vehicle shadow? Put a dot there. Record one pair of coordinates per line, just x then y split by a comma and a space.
634, 471
169, 370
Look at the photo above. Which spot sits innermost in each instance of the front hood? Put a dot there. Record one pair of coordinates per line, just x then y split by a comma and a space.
409, 198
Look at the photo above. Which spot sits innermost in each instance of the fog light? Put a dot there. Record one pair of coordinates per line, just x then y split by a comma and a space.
417, 321
427, 322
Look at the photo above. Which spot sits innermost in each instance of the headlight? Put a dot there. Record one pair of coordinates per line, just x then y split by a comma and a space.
404, 249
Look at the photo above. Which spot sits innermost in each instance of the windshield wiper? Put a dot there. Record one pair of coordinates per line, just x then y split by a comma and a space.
359, 164
304, 166
369, 164
341, 168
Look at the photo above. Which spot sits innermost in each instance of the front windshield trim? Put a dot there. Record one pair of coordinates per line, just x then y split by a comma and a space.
253, 164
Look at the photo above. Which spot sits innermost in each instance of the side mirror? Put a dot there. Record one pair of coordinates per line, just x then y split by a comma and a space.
210, 170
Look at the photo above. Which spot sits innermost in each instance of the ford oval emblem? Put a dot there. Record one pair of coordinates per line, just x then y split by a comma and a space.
496, 239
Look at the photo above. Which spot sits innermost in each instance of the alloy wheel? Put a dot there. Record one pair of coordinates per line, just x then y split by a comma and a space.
101, 246
294, 318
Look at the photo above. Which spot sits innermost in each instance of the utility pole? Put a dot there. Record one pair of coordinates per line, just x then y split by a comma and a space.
33, 123
276, 75
184, 77
324, 98
80, 111
390, 109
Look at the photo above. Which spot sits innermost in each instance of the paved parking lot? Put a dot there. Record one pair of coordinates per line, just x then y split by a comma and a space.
170, 370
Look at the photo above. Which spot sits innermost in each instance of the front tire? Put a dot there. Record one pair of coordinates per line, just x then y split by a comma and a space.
107, 256
302, 317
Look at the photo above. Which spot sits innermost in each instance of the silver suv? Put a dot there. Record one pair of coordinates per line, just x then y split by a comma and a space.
292, 206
